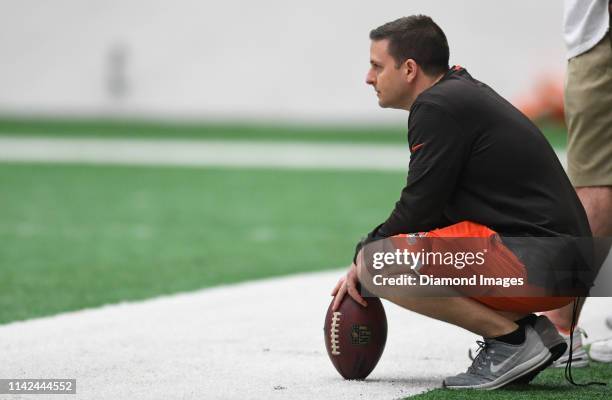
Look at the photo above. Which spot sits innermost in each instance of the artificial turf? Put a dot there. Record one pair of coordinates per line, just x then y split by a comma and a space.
77, 236
81, 236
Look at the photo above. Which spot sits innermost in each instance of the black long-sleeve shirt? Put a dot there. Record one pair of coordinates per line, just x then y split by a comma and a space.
475, 157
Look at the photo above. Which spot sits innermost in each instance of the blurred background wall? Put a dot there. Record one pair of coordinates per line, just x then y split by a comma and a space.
270, 59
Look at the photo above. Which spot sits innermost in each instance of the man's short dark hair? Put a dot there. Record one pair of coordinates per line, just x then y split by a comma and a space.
416, 37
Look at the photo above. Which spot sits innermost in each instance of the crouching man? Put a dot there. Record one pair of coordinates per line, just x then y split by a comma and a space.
478, 168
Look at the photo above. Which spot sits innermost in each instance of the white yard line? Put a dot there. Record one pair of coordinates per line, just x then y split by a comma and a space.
258, 340
255, 154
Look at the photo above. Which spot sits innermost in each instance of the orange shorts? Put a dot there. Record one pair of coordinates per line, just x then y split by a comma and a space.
502, 263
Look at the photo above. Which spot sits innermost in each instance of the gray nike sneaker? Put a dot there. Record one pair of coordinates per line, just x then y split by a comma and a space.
498, 364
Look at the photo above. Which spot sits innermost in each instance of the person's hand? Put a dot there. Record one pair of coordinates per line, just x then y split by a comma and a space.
348, 284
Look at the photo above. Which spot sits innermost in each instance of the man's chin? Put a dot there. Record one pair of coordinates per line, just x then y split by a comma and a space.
386, 104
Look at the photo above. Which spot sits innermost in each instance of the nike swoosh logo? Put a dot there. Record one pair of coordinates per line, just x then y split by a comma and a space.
496, 368
416, 147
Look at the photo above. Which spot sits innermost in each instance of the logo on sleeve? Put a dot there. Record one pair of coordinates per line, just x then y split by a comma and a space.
416, 147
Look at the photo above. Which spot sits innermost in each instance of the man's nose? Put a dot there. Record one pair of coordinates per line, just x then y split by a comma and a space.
370, 77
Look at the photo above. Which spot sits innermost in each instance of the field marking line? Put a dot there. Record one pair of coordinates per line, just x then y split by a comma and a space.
208, 153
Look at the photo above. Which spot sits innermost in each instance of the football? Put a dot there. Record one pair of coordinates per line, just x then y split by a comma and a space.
355, 336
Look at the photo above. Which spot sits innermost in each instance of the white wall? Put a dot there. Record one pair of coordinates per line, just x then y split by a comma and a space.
264, 59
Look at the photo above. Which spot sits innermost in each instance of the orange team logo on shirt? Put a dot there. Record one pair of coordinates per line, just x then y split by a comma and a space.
416, 147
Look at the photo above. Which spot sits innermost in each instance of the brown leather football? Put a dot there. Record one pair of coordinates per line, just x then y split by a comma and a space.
355, 336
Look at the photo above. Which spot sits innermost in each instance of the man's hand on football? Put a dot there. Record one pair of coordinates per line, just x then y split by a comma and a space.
347, 283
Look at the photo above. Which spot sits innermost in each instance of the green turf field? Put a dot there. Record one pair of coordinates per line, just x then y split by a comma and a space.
77, 236
365, 133
549, 385
82, 236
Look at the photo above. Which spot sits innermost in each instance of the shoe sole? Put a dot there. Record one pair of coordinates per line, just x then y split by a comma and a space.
512, 375
580, 359
576, 363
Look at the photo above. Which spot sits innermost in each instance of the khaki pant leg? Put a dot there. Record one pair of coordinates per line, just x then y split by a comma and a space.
588, 111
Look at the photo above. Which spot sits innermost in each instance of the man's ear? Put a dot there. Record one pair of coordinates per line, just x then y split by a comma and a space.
410, 69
